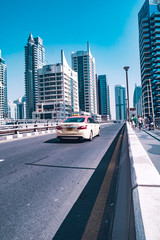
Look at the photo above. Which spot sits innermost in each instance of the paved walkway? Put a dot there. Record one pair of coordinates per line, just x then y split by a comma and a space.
150, 139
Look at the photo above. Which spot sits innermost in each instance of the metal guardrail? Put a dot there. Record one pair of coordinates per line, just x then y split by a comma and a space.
17, 128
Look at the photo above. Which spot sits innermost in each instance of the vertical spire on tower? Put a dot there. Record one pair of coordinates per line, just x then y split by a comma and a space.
31, 39
88, 47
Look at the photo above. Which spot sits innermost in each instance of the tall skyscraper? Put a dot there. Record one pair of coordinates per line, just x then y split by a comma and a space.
84, 64
34, 59
137, 100
149, 45
58, 91
104, 97
120, 101
3, 89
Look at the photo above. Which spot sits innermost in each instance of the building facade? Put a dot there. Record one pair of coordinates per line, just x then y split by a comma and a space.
120, 102
104, 97
137, 100
12, 111
84, 64
149, 47
3, 89
34, 59
58, 91
21, 108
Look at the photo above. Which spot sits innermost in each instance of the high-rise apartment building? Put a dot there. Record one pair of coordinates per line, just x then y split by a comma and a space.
3, 89
137, 100
104, 97
120, 102
149, 46
34, 59
58, 91
21, 108
84, 64
12, 110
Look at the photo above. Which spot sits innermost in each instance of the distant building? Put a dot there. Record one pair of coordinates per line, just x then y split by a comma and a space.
120, 102
12, 110
109, 101
104, 97
149, 47
137, 100
58, 91
34, 59
84, 64
3, 89
21, 108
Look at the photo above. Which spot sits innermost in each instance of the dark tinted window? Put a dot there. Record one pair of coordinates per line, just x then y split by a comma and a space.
91, 120
78, 119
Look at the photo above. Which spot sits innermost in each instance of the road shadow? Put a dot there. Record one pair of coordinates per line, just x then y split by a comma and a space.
155, 149
73, 226
57, 141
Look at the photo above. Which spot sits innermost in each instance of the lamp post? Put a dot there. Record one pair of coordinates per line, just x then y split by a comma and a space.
128, 109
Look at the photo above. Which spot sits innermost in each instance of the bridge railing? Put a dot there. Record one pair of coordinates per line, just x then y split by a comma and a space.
32, 127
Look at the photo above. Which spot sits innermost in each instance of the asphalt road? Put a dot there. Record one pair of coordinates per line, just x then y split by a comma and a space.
40, 180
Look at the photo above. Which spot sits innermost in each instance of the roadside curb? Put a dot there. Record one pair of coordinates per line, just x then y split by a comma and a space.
145, 190
25, 135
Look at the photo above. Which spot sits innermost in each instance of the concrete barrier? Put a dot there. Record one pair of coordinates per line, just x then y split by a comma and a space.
25, 135
145, 190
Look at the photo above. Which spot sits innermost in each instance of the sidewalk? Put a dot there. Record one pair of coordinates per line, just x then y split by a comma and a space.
145, 181
154, 133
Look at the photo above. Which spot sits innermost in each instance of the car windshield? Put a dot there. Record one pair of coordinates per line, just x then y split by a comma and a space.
78, 119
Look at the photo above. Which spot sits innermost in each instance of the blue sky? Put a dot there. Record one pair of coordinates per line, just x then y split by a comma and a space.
111, 27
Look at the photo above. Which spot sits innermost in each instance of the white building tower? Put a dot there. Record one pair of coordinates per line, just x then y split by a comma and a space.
3, 89
58, 91
84, 64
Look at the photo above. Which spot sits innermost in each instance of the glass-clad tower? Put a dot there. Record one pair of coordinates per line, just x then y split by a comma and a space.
34, 59
137, 100
120, 101
149, 46
104, 98
84, 64
3, 89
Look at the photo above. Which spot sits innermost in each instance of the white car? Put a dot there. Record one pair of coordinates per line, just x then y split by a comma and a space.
79, 127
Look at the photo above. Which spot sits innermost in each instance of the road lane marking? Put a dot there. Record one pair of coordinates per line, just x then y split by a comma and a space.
94, 222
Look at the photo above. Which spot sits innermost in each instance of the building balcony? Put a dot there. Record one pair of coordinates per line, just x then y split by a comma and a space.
145, 42
146, 74
156, 49
156, 31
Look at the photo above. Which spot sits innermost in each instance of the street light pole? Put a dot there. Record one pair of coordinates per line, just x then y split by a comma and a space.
128, 108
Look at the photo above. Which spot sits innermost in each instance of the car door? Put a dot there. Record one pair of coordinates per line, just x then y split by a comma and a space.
90, 126
95, 126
